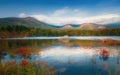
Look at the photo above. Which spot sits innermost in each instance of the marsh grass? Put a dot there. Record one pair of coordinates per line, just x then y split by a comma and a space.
26, 68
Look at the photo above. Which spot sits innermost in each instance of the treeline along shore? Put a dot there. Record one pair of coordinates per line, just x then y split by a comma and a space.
23, 31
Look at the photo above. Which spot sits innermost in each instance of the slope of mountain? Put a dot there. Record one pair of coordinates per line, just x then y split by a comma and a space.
75, 25
91, 26
68, 26
32, 22
113, 25
88, 26
56, 26
28, 21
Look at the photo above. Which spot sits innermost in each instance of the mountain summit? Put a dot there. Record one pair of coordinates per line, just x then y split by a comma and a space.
32, 22
28, 22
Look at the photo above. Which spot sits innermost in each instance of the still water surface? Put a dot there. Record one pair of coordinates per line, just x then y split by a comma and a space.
76, 56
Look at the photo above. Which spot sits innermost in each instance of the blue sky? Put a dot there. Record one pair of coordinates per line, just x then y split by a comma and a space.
63, 11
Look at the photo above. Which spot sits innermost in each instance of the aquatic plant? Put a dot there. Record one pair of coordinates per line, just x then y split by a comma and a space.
24, 63
104, 54
26, 68
110, 42
24, 51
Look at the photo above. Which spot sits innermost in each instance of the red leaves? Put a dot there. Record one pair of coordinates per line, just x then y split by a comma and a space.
26, 68
23, 51
110, 42
9, 63
24, 63
38, 63
104, 52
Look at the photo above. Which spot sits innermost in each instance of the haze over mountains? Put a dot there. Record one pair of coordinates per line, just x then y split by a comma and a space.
32, 22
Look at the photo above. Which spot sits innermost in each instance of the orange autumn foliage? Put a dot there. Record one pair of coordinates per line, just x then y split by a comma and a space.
23, 51
24, 63
104, 52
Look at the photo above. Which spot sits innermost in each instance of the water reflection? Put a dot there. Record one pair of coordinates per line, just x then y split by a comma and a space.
65, 54
82, 57
104, 54
73, 57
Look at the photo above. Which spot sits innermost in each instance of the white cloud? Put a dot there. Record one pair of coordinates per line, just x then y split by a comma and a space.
22, 15
103, 19
75, 16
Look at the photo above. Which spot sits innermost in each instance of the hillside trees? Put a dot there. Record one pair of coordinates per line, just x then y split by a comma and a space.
23, 31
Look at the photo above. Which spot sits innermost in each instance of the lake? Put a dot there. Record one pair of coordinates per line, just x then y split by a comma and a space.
76, 55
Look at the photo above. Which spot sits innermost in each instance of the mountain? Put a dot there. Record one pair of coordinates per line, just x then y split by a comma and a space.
75, 25
84, 26
88, 26
56, 26
91, 26
28, 22
70, 26
113, 25
67, 26
32, 22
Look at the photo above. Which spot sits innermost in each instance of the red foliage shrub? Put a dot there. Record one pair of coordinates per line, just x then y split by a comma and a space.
9, 63
24, 62
104, 52
23, 51
39, 63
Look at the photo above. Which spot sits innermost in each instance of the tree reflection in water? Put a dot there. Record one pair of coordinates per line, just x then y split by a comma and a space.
72, 53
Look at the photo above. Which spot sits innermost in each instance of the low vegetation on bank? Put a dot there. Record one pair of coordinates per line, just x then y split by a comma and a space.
22, 31
24, 66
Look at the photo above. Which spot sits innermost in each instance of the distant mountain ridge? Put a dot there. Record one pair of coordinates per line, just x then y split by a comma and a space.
92, 26
113, 25
84, 26
32, 22
28, 22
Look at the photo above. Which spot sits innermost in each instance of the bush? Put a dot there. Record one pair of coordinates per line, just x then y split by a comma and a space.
26, 68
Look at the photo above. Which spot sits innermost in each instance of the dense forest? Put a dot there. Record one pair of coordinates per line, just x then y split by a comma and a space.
22, 31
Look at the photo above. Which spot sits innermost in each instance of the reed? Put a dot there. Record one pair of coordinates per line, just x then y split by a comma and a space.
26, 68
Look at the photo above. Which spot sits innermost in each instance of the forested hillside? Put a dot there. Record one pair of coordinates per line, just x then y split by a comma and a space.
23, 31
